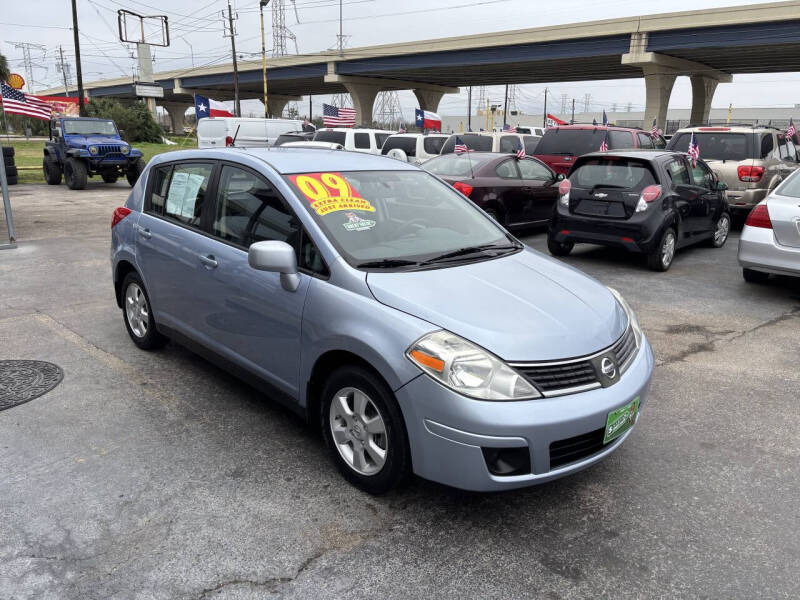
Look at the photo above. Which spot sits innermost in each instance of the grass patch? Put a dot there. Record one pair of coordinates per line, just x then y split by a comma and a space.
30, 154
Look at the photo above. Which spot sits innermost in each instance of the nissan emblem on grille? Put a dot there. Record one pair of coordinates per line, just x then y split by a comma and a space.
608, 368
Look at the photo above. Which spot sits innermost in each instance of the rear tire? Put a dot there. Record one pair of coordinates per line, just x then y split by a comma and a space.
138, 314
52, 172
75, 174
8, 151
12, 180
11, 172
110, 177
355, 437
753, 276
721, 230
134, 171
559, 248
661, 258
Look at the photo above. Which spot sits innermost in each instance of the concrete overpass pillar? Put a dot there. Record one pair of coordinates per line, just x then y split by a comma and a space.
658, 88
275, 105
428, 99
176, 112
702, 93
363, 96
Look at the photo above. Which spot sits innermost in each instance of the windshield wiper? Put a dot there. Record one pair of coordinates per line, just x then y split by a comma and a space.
471, 250
386, 263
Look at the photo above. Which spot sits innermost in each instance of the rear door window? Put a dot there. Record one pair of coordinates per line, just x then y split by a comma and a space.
619, 140
678, 173
509, 144
361, 140
767, 145
433, 145
533, 169
629, 174
186, 195
507, 169
703, 176
645, 141
531, 142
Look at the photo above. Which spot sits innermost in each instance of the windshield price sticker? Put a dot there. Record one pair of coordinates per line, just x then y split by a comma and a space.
330, 192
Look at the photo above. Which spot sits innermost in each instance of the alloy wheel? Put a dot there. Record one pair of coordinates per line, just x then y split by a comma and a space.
722, 230
358, 430
136, 310
668, 249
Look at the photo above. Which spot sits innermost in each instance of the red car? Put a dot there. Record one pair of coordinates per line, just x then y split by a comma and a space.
560, 146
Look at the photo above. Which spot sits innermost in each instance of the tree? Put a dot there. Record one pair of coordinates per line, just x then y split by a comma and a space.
5, 72
135, 120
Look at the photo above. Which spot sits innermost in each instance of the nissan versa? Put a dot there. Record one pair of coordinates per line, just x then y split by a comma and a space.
386, 308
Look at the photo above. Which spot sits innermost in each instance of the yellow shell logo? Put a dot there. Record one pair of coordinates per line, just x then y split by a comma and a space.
16, 81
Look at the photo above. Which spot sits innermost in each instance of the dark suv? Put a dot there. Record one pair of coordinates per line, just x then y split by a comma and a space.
652, 202
560, 146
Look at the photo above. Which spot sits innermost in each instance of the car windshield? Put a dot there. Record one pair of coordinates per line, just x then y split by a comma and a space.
570, 141
714, 146
634, 175
337, 137
286, 138
457, 165
387, 219
90, 127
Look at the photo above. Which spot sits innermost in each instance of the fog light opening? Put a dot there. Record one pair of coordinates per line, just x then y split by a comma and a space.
506, 462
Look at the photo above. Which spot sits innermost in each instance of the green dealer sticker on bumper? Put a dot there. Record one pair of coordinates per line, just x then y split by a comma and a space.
620, 420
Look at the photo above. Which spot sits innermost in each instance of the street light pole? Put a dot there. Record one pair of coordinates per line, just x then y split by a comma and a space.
79, 73
261, 5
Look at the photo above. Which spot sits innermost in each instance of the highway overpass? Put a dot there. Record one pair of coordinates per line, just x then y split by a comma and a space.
706, 45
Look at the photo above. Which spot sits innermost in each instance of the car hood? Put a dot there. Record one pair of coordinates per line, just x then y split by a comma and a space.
523, 307
88, 140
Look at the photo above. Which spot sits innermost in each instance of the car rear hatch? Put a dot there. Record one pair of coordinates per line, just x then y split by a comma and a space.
784, 213
560, 146
724, 151
608, 187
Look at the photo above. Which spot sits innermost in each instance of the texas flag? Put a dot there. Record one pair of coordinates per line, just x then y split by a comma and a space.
426, 119
203, 107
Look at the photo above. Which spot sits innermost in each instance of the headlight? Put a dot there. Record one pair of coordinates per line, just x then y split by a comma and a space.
125, 149
92, 149
468, 369
634, 322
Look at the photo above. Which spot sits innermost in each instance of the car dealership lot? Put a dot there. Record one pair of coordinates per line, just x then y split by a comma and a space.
157, 475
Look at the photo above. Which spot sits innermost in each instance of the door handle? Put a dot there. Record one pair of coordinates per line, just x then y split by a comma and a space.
144, 232
208, 261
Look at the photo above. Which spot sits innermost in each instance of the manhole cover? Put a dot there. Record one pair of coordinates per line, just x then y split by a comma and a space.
23, 380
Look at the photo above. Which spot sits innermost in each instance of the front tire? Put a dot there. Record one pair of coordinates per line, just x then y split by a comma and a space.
52, 172
110, 176
75, 174
364, 430
721, 230
753, 276
661, 258
559, 248
134, 171
138, 315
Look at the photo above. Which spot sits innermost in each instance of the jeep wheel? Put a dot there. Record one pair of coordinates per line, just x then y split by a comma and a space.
52, 172
75, 174
110, 176
134, 170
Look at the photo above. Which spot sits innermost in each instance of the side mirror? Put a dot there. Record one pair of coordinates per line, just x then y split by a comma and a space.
560, 177
722, 186
275, 257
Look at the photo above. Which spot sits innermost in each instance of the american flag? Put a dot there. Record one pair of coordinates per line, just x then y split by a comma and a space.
509, 129
20, 103
333, 116
694, 150
655, 131
604, 144
520, 149
460, 147
792, 129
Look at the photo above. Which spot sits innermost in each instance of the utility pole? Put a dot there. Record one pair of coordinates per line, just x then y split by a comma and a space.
78, 72
572, 120
237, 105
587, 101
310, 109
505, 108
544, 117
261, 5
63, 69
563, 103
469, 109
341, 31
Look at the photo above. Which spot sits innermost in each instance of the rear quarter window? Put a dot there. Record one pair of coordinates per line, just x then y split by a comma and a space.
620, 140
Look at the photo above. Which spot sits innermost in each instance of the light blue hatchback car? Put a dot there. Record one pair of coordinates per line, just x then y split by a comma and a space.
386, 308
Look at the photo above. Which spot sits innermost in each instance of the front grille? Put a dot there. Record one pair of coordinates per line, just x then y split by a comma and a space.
575, 448
104, 149
555, 378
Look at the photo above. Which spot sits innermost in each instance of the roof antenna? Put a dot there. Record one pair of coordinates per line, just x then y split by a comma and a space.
233, 141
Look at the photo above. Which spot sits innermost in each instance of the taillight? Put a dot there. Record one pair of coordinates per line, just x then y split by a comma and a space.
119, 214
228, 140
563, 189
649, 194
750, 173
759, 217
464, 188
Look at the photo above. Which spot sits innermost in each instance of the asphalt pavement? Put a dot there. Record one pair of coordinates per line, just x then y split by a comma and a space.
157, 475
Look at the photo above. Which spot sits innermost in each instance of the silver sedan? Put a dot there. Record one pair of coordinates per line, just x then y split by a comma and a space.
770, 241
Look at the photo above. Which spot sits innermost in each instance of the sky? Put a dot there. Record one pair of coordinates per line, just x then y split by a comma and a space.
196, 28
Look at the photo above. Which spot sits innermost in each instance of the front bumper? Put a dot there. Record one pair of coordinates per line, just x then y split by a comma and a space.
640, 233
759, 250
744, 200
447, 431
